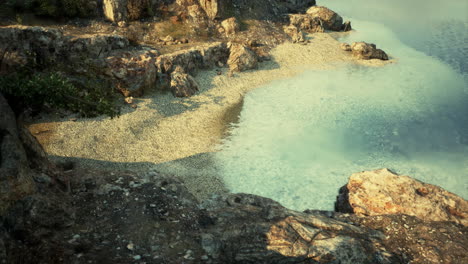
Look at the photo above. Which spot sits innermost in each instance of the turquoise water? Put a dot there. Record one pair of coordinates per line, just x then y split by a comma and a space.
298, 140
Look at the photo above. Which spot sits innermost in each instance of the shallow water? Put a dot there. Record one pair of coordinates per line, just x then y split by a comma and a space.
298, 140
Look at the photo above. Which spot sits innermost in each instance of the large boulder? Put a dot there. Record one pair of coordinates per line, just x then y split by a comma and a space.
16, 180
330, 19
200, 57
241, 58
383, 192
366, 51
182, 84
230, 26
252, 229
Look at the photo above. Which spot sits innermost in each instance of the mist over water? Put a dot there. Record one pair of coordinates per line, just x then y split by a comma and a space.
299, 140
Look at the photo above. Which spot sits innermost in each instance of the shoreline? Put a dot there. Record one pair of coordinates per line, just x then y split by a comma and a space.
164, 132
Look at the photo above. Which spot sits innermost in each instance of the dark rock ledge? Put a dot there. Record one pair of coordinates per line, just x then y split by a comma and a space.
52, 214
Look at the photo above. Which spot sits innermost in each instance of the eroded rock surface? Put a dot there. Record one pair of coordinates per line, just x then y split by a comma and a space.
252, 229
133, 71
383, 192
241, 58
319, 19
297, 35
230, 26
419, 241
182, 84
330, 20
367, 51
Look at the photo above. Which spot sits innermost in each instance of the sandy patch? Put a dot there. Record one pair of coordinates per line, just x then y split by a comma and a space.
165, 130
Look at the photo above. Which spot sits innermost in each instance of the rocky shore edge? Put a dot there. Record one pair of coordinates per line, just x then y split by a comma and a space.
58, 214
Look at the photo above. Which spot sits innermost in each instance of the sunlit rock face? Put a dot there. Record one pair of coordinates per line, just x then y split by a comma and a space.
382, 192
16, 180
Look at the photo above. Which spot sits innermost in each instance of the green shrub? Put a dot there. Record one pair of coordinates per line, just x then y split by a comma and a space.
52, 89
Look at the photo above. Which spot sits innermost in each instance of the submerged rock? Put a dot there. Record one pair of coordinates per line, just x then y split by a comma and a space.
44, 47
383, 192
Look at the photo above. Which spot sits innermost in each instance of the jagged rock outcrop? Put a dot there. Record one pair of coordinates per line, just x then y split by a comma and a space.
43, 47
319, 19
201, 57
241, 58
297, 35
182, 84
365, 51
330, 20
306, 22
425, 242
197, 17
230, 26
195, 58
260, 9
252, 229
383, 192
133, 71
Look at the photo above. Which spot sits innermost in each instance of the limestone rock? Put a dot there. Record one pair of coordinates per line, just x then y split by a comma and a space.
133, 71
273, 10
383, 192
296, 35
367, 51
182, 84
16, 180
212, 7
253, 229
241, 58
115, 10
330, 19
306, 22
197, 15
424, 242
43, 47
201, 57
230, 26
